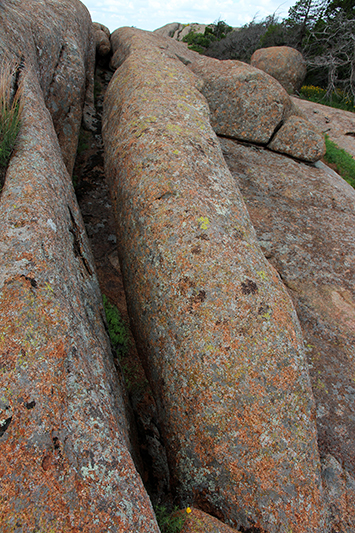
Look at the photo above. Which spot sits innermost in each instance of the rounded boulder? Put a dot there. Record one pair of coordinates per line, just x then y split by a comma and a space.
283, 63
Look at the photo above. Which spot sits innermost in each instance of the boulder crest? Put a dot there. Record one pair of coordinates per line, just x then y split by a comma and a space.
283, 63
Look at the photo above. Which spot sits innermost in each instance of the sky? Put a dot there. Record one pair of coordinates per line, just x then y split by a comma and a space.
152, 14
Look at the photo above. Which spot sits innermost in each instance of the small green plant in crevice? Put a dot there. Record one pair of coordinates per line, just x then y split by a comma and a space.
117, 329
169, 522
10, 113
343, 161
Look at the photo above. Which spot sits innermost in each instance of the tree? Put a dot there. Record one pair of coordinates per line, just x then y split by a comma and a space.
305, 15
330, 51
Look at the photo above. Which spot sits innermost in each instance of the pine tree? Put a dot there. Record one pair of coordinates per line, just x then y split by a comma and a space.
304, 15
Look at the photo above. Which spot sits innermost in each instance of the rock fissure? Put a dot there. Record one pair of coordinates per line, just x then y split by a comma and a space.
254, 423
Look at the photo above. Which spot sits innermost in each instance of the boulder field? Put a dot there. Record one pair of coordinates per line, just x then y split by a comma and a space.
238, 267
65, 463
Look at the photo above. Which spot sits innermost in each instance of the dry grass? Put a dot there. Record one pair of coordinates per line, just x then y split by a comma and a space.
10, 113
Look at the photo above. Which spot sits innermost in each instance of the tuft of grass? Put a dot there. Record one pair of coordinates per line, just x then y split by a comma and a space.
343, 161
337, 99
117, 329
10, 113
169, 522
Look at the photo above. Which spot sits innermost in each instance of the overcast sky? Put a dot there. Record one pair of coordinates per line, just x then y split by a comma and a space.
152, 14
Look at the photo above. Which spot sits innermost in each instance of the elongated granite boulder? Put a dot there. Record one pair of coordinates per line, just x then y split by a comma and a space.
219, 335
65, 465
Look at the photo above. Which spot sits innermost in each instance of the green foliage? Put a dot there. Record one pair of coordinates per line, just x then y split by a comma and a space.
10, 112
117, 328
199, 42
344, 162
337, 98
169, 522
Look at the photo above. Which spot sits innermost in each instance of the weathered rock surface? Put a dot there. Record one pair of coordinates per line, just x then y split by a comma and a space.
339, 489
223, 344
199, 522
338, 124
102, 39
66, 50
65, 464
283, 63
177, 31
245, 103
169, 30
304, 219
299, 138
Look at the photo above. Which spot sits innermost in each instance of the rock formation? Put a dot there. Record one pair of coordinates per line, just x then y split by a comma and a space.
239, 281
223, 347
177, 31
199, 522
65, 464
102, 39
303, 218
244, 102
283, 63
337, 123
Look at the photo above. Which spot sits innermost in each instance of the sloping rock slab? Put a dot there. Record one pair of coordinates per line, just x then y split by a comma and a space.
305, 218
199, 522
338, 124
65, 464
224, 352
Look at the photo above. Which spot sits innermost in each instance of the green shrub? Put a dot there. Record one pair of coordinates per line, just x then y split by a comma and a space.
117, 328
342, 160
169, 522
199, 42
10, 112
336, 99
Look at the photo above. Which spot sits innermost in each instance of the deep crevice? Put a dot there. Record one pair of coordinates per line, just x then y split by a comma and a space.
96, 207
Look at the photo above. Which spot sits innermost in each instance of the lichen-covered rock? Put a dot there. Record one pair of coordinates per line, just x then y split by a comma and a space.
299, 138
339, 488
337, 123
199, 522
304, 219
61, 51
283, 63
102, 39
245, 103
65, 464
215, 327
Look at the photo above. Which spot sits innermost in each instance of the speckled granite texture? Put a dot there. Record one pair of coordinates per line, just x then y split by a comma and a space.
65, 464
224, 349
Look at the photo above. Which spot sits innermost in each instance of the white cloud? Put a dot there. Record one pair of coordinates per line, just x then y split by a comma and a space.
156, 13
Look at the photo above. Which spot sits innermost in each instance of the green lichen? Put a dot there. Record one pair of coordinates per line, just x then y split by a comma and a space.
203, 222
